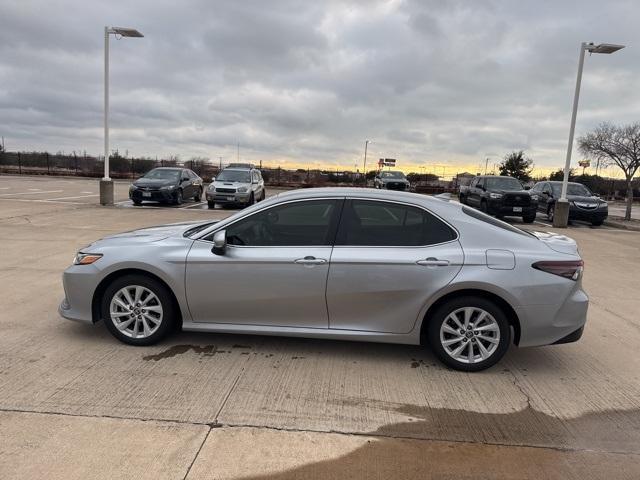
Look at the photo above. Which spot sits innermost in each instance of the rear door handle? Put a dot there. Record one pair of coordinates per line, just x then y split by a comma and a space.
310, 260
433, 262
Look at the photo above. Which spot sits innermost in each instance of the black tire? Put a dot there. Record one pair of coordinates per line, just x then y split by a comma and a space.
169, 311
441, 314
137, 203
597, 223
551, 212
484, 207
529, 218
198, 196
178, 198
462, 200
264, 194
252, 200
211, 205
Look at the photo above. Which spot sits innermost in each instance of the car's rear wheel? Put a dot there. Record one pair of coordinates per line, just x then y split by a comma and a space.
138, 310
469, 333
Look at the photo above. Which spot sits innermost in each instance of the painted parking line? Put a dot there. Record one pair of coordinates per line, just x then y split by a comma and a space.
72, 198
31, 193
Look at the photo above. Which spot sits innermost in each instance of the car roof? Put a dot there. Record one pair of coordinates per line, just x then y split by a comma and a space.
169, 168
355, 192
239, 169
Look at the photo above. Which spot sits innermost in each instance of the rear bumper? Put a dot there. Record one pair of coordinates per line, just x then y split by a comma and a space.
554, 324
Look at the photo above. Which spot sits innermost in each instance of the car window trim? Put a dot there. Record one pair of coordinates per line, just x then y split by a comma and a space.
332, 235
407, 204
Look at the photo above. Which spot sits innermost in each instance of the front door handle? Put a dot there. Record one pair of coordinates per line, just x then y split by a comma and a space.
433, 262
310, 260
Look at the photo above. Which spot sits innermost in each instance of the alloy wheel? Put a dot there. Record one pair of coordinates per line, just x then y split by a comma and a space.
470, 335
136, 311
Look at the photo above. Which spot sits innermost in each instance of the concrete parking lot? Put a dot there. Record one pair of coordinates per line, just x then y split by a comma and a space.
75, 403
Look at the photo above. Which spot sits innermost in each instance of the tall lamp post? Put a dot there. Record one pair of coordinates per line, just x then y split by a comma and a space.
106, 184
561, 213
364, 166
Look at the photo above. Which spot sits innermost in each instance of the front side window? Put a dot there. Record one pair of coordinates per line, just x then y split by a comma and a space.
308, 223
373, 223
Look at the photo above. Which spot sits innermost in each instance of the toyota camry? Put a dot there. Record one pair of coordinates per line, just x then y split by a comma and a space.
339, 263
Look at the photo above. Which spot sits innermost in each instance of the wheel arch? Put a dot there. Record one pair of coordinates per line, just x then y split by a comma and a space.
505, 306
106, 281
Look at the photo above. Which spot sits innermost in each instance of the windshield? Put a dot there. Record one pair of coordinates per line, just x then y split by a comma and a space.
572, 189
234, 176
503, 183
392, 175
161, 174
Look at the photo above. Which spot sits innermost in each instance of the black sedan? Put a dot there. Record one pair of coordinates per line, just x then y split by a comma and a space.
166, 185
583, 204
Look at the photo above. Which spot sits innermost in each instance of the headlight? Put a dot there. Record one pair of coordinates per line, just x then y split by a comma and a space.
211, 187
243, 190
495, 195
168, 187
86, 258
132, 187
534, 198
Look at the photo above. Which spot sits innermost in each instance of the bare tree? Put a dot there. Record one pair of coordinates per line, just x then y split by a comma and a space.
615, 145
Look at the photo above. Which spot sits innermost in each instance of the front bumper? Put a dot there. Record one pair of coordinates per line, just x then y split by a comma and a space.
395, 186
228, 198
153, 195
79, 283
594, 215
496, 207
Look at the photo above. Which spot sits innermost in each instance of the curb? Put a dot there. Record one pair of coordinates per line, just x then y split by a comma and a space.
622, 224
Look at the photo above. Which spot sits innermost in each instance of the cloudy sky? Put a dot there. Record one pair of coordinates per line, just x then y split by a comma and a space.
441, 84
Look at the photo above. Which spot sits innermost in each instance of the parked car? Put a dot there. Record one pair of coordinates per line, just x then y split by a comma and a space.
236, 185
583, 204
501, 196
167, 185
339, 263
391, 180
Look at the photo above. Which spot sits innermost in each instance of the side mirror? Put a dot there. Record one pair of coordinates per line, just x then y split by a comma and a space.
185, 179
527, 187
219, 242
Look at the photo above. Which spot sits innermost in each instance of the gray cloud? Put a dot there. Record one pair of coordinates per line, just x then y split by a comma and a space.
308, 82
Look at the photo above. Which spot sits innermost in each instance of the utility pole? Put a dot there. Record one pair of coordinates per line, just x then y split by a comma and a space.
486, 163
364, 167
238, 152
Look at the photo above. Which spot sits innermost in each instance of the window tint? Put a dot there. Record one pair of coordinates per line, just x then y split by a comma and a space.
295, 224
537, 187
373, 223
480, 183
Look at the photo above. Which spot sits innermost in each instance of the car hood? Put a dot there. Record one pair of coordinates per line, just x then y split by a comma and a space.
145, 235
154, 182
558, 243
502, 190
230, 184
583, 198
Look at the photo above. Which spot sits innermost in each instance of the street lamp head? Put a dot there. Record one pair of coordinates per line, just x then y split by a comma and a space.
604, 48
126, 32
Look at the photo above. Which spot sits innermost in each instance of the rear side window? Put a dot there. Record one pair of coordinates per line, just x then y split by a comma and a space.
373, 223
494, 221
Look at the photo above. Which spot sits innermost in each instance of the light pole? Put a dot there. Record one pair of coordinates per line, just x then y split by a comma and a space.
106, 184
561, 213
364, 166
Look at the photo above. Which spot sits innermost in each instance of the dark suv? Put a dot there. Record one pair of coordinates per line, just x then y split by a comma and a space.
166, 184
583, 204
500, 196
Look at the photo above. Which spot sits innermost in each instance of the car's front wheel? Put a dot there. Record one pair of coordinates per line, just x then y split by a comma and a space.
138, 310
178, 197
198, 195
551, 211
469, 333
529, 218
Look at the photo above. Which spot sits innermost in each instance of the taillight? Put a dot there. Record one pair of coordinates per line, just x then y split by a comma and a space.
571, 269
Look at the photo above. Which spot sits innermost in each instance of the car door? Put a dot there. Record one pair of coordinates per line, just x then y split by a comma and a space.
474, 192
388, 261
273, 271
186, 184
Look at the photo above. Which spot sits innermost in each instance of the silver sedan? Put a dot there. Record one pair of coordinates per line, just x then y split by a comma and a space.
339, 263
